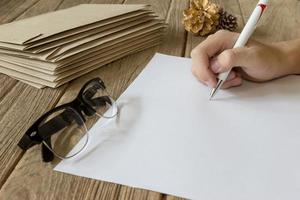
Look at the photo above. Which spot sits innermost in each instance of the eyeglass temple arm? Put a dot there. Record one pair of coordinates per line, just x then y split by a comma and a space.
26, 142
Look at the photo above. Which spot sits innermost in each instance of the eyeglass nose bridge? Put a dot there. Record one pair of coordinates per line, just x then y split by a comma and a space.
97, 102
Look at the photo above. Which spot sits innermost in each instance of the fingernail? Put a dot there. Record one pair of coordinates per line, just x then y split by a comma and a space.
215, 66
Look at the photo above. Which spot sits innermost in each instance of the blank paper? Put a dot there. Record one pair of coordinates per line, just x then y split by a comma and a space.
170, 138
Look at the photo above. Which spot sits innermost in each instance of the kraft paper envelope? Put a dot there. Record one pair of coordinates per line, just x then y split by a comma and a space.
43, 26
41, 82
103, 29
44, 65
84, 45
104, 56
24, 54
91, 27
45, 55
51, 68
65, 52
80, 65
109, 49
109, 41
77, 31
97, 36
121, 45
96, 66
29, 63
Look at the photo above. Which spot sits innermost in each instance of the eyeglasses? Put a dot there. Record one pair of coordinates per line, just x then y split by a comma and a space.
62, 131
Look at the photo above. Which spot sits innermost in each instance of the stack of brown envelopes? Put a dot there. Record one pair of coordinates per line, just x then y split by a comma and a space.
54, 48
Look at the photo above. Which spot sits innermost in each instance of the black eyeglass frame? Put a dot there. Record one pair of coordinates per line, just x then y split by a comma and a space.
79, 104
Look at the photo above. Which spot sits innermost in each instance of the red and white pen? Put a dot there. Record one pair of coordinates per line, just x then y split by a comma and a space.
243, 39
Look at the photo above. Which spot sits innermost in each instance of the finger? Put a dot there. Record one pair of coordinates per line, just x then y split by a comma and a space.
215, 43
232, 75
204, 75
237, 81
231, 58
205, 50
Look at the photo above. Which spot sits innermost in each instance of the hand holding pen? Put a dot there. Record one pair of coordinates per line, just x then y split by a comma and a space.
242, 40
257, 61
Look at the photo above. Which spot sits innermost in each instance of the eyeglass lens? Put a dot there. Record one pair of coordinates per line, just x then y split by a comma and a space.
63, 130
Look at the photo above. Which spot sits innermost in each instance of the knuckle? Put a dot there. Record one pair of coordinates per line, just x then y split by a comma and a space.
227, 34
222, 32
210, 37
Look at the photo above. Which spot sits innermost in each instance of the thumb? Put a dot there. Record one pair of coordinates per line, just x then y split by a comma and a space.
229, 58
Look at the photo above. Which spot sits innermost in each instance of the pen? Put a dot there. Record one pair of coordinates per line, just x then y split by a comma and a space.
242, 40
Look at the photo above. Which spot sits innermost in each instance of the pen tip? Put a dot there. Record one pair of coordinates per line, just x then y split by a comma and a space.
214, 90
212, 94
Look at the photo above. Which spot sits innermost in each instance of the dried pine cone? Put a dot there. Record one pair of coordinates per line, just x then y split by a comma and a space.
227, 21
202, 17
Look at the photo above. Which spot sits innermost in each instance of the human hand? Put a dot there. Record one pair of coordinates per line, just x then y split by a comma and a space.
256, 61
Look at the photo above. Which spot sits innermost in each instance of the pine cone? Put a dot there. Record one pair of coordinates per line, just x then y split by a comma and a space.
227, 21
202, 17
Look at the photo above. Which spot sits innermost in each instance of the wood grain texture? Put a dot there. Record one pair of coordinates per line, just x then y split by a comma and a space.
175, 38
12, 9
23, 175
169, 197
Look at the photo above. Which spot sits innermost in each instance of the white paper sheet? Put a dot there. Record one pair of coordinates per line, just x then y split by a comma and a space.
169, 138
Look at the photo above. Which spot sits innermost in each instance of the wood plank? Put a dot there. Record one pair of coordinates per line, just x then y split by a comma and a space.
5, 85
135, 193
280, 22
42, 6
12, 9
175, 38
169, 197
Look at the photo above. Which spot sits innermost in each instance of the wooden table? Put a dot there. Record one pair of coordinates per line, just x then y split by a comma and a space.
24, 175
